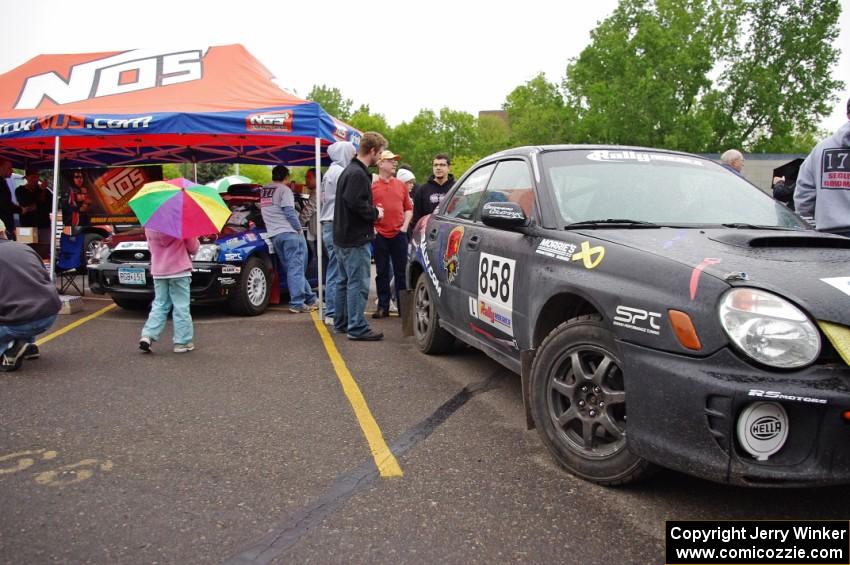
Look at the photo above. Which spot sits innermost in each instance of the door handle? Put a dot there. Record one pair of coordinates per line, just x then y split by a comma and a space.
432, 235
472, 242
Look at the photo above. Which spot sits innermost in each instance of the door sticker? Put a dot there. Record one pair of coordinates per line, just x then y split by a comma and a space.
590, 256
451, 258
496, 291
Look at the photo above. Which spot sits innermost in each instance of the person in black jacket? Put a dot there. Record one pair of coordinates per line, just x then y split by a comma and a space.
8, 208
783, 191
29, 302
428, 195
354, 230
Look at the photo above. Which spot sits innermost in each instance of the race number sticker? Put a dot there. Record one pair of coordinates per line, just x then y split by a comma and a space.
836, 169
496, 292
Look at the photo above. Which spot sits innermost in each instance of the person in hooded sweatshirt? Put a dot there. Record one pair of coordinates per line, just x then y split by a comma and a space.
822, 194
429, 194
341, 153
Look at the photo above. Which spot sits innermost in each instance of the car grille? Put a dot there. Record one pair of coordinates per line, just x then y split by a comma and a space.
130, 256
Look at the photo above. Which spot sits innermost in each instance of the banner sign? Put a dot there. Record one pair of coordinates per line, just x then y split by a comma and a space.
101, 196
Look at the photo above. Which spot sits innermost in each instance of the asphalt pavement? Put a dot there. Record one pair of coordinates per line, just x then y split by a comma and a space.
250, 450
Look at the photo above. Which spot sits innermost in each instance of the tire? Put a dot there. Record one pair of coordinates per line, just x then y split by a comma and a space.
578, 402
252, 295
130, 304
88, 248
430, 337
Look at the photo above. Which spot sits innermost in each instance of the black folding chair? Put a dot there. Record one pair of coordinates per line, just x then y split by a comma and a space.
69, 261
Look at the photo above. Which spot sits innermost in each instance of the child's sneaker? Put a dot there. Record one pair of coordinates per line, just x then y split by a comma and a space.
303, 309
145, 344
183, 347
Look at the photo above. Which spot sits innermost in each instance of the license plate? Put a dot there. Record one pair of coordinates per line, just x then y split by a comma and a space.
127, 275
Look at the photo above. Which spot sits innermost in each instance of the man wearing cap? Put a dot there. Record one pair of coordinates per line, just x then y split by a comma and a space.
822, 195
36, 204
391, 231
29, 302
429, 194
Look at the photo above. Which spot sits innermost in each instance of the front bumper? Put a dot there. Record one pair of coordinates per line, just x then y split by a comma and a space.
211, 282
683, 413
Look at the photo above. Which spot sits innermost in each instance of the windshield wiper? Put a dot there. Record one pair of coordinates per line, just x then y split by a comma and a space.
612, 222
745, 226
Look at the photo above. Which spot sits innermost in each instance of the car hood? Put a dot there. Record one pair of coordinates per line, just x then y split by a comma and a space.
807, 267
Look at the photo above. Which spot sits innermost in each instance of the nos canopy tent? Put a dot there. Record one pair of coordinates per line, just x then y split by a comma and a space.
147, 106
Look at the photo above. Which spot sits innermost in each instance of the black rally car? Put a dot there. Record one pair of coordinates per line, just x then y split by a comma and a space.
659, 309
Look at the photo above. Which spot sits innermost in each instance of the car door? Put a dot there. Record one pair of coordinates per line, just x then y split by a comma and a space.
497, 287
448, 243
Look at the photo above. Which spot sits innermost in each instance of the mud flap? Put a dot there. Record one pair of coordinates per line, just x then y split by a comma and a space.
405, 310
526, 358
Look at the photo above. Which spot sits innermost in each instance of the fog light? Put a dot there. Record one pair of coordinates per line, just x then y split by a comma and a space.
763, 429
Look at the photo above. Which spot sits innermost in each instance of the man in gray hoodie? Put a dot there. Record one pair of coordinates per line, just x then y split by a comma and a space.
341, 153
824, 179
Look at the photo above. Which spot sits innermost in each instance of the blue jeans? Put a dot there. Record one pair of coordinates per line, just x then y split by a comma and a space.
291, 250
352, 290
170, 293
390, 249
26, 331
331, 269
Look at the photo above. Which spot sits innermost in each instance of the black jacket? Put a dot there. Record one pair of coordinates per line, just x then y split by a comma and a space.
784, 192
427, 196
8, 209
26, 292
354, 215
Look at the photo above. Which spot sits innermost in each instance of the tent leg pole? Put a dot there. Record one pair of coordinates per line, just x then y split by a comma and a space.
53, 216
319, 246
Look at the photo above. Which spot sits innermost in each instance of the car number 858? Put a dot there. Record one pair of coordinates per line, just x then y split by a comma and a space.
496, 278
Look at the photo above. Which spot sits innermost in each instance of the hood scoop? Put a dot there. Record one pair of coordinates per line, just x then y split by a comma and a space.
760, 240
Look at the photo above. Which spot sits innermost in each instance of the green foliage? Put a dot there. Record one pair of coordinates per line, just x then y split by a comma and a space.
428, 133
260, 174
364, 120
172, 171
332, 101
536, 114
208, 172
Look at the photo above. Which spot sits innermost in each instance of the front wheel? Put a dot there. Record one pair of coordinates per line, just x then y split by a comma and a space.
578, 402
252, 294
430, 337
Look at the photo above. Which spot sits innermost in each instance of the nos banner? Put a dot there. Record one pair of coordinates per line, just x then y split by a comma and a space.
101, 196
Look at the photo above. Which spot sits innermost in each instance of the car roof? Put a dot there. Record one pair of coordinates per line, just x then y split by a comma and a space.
527, 150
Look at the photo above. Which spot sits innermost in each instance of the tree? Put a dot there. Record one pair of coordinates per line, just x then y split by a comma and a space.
208, 172
332, 101
364, 120
493, 135
536, 113
428, 133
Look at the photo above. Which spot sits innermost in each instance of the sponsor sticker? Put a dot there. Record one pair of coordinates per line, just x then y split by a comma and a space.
497, 210
226, 281
609, 156
556, 249
776, 395
496, 291
270, 121
841, 283
131, 245
589, 256
451, 258
762, 429
638, 319
232, 256
428, 267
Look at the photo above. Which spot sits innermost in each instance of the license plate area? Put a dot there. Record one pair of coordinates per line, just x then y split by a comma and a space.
131, 276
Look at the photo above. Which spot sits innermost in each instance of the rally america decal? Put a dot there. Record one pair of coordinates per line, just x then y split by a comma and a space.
835, 169
495, 303
451, 260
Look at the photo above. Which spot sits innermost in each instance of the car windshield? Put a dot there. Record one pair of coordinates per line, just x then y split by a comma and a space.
656, 187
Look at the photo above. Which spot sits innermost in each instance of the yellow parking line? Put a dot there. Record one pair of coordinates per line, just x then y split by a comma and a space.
79, 322
384, 458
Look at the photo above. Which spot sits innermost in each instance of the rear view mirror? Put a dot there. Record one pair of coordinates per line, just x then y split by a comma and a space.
503, 215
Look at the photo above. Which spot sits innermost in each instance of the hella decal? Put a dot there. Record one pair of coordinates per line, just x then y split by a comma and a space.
637, 319
762, 429
130, 71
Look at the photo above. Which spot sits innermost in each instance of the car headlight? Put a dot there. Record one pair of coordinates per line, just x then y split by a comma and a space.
769, 329
206, 252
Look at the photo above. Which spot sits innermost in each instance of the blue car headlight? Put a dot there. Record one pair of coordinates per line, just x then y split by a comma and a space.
206, 252
769, 329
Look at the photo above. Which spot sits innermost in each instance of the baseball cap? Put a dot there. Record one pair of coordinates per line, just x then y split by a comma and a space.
404, 175
387, 155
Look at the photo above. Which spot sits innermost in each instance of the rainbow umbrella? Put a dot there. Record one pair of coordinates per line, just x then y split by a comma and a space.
182, 182
180, 212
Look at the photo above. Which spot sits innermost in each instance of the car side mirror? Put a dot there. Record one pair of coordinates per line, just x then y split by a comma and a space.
503, 215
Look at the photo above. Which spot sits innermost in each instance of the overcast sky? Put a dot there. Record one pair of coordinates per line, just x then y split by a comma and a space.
399, 57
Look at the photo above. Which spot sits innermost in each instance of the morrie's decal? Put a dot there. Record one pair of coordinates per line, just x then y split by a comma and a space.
556, 249
640, 156
590, 256
451, 258
695, 274
638, 319
270, 121
125, 72
496, 291
423, 251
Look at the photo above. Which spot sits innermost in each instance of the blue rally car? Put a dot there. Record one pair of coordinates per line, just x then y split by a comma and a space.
659, 309
237, 268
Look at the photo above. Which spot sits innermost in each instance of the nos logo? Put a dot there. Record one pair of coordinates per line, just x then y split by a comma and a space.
126, 72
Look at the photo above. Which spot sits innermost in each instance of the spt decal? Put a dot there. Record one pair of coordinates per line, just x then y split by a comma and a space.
451, 257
